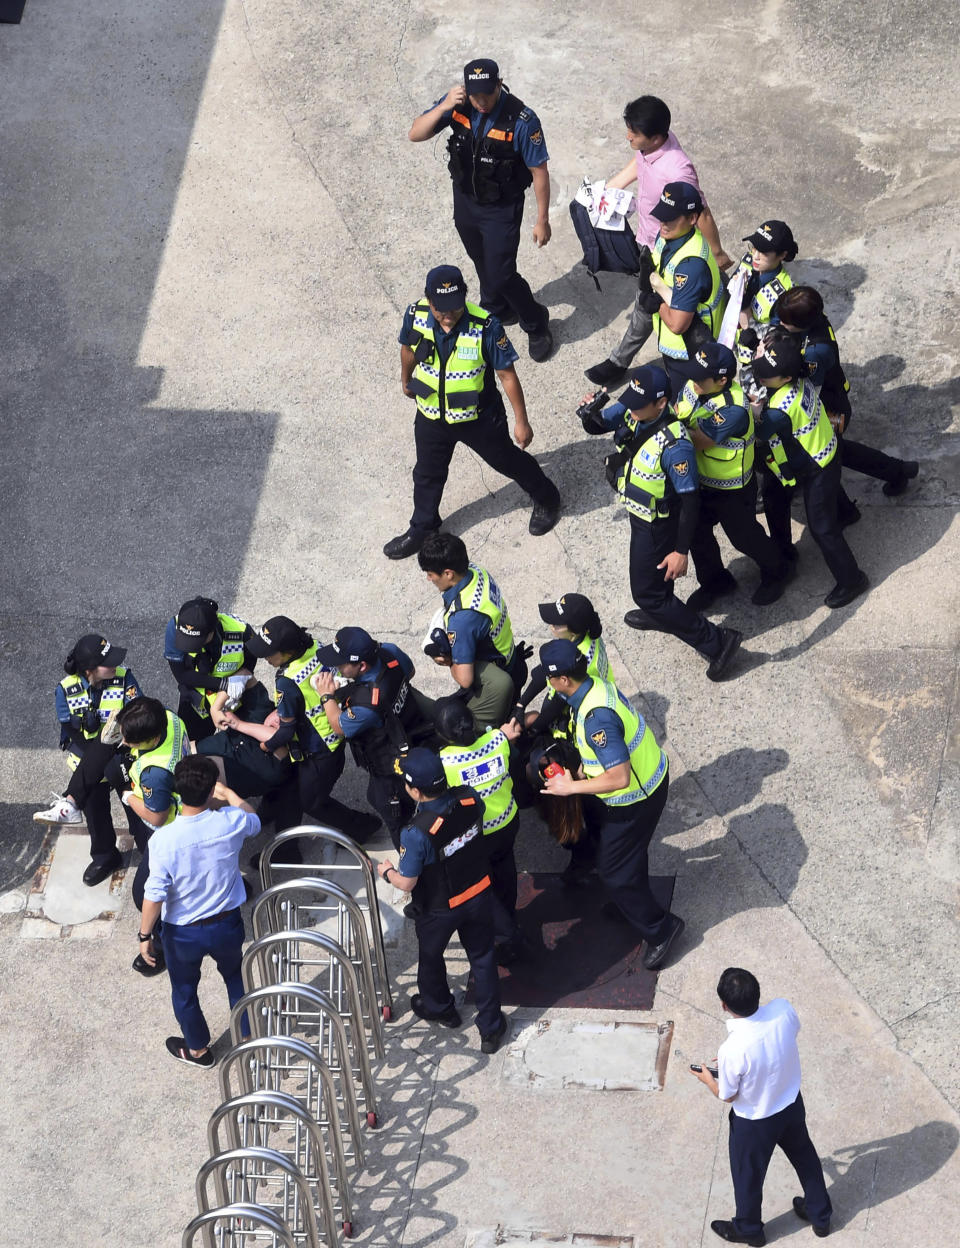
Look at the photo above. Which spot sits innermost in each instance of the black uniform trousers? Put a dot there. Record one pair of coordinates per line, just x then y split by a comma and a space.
821, 487
473, 923
249, 771
98, 762
650, 543
141, 831
490, 234
503, 877
624, 834
752, 1141
736, 513
489, 437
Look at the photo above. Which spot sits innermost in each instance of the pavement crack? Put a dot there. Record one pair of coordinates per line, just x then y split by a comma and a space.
947, 737
403, 32
919, 1010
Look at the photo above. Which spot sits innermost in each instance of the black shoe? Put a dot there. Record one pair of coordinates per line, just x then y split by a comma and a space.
96, 873
702, 597
363, 824
446, 1018
405, 545
143, 967
605, 374
177, 1047
577, 875
840, 595
899, 484
543, 517
639, 619
849, 515
730, 639
541, 346
771, 587
610, 910
491, 1042
411, 910
725, 1231
654, 956
800, 1209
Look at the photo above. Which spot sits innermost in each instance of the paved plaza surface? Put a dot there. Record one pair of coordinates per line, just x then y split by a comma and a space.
211, 224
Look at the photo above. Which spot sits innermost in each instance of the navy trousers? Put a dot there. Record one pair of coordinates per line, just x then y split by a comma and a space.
473, 923
184, 948
624, 837
752, 1141
821, 488
490, 234
736, 513
503, 878
650, 542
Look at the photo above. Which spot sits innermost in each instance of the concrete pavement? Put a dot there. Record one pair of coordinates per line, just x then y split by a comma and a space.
211, 225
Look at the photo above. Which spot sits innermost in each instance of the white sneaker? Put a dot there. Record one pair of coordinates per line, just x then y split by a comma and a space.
62, 811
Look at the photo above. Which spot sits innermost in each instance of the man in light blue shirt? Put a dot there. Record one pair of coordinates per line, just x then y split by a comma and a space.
195, 883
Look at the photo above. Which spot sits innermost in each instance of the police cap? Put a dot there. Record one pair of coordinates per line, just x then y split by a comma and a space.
351, 645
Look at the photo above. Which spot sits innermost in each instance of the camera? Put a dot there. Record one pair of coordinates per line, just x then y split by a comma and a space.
589, 412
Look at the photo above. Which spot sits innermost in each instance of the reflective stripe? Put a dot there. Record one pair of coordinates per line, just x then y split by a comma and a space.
466, 383
299, 671
472, 891
629, 799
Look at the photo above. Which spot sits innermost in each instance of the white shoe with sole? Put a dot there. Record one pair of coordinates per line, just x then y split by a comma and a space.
62, 811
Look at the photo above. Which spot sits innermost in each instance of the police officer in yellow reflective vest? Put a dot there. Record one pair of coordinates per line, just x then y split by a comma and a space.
451, 355
155, 740
95, 688
482, 761
623, 784
770, 245
654, 472
485, 661
720, 425
802, 450
687, 294
206, 649
444, 864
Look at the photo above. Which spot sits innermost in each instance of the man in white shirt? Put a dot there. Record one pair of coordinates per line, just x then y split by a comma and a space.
758, 1074
195, 883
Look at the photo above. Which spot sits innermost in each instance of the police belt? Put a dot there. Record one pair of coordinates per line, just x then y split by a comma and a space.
213, 918
659, 506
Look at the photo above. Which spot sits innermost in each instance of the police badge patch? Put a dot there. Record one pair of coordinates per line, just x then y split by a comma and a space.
503, 342
680, 280
536, 137
681, 468
717, 418
451, 637
147, 793
599, 738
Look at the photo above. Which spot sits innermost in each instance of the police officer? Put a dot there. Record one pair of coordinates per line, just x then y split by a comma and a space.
655, 472
304, 729
96, 687
769, 246
496, 150
443, 863
800, 312
687, 293
376, 712
155, 740
206, 648
624, 783
720, 425
802, 449
482, 762
449, 352
485, 661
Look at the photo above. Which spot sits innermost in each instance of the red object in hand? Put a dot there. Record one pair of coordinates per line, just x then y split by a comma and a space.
552, 769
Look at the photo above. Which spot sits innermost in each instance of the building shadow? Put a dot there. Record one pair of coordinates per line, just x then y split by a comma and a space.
864, 1176
593, 309
733, 779
21, 844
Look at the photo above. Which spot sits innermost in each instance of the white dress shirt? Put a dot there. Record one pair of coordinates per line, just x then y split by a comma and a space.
759, 1061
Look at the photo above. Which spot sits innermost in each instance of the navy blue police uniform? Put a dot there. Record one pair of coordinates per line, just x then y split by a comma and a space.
672, 529
443, 845
490, 158
487, 435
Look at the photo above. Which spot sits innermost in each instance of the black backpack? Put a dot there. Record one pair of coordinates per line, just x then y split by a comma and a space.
605, 251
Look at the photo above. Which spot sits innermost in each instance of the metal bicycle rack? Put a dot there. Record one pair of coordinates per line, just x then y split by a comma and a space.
239, 1226
304, 902
267, 1179
352, 866
285, 1064
311, 958
294, 1009
274, 1120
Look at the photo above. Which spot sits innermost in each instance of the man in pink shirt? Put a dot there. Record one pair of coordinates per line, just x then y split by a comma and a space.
659, 159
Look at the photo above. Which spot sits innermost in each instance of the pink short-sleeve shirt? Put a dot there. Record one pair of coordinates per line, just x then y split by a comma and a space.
669, 163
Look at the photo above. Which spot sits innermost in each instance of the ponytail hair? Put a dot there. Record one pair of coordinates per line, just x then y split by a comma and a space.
70, 665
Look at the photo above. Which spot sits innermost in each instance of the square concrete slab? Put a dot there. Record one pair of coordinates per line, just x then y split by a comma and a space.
59, 894
602, 1057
